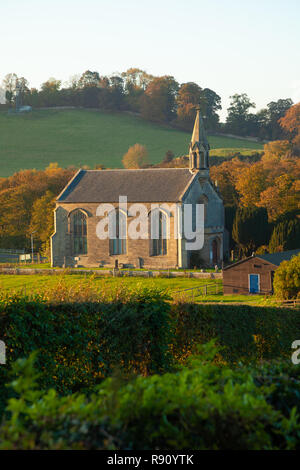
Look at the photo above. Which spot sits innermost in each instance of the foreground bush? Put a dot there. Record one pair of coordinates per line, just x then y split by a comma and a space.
201, 406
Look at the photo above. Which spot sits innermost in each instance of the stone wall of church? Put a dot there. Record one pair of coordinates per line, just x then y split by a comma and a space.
138, 251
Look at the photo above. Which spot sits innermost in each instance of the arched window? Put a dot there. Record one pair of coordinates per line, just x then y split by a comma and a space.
78, 226
158, 233
117, 233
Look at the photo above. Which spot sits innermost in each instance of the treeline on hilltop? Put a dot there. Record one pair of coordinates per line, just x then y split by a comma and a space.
159, 99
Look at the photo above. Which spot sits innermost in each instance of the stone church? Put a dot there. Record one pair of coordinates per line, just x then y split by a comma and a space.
76, 242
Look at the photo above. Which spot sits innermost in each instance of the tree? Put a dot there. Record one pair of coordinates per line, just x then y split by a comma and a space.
18, 196
9, 84
285, 235
283, 196
135, 83
262, 123
226, 175
290, 122
116, 90
136, 78
43, 226
73, 81
287, 279
49, 95
89, 79
187, 100
250, 184
238, 111
250, 228
276, 110
211, 105
136, 157
51, 86
22, 90
230, 212
159, 100
190, 95
275, 151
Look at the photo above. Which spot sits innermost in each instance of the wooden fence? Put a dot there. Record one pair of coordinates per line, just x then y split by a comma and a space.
207, 289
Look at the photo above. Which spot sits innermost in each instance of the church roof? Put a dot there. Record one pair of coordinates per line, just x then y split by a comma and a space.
144, 185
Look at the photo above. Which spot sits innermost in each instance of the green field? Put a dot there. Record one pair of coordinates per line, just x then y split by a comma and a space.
85, 137
37, 284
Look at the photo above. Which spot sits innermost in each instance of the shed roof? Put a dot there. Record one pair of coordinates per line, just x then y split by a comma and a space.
144, 185
272, 258
277, 258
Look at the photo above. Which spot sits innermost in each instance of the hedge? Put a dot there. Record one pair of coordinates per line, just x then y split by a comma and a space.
245, 332
80, 344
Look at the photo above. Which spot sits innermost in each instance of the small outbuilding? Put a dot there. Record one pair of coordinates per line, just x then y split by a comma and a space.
254, 275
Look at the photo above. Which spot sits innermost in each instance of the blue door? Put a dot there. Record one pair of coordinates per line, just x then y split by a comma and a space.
253, 283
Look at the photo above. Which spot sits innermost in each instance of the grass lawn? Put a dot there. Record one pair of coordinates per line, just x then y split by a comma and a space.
85, 137
38, 283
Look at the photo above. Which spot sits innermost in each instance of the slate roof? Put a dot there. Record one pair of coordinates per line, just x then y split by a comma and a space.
277, 258
145, 185
273, 258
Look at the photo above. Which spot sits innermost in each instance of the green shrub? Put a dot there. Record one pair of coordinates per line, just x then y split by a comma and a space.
283, 378
201, 406
287, 279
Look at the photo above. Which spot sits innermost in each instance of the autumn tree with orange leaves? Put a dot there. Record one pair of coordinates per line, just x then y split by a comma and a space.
291, 123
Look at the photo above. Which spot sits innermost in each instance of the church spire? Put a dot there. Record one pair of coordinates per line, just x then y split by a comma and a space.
199, 146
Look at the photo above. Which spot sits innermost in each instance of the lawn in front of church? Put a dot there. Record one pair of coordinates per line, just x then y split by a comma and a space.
37, 284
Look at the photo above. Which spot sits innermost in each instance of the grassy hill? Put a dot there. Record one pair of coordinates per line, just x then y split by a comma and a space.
85, 137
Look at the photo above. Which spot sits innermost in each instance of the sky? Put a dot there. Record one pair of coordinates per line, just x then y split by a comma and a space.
230, 46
